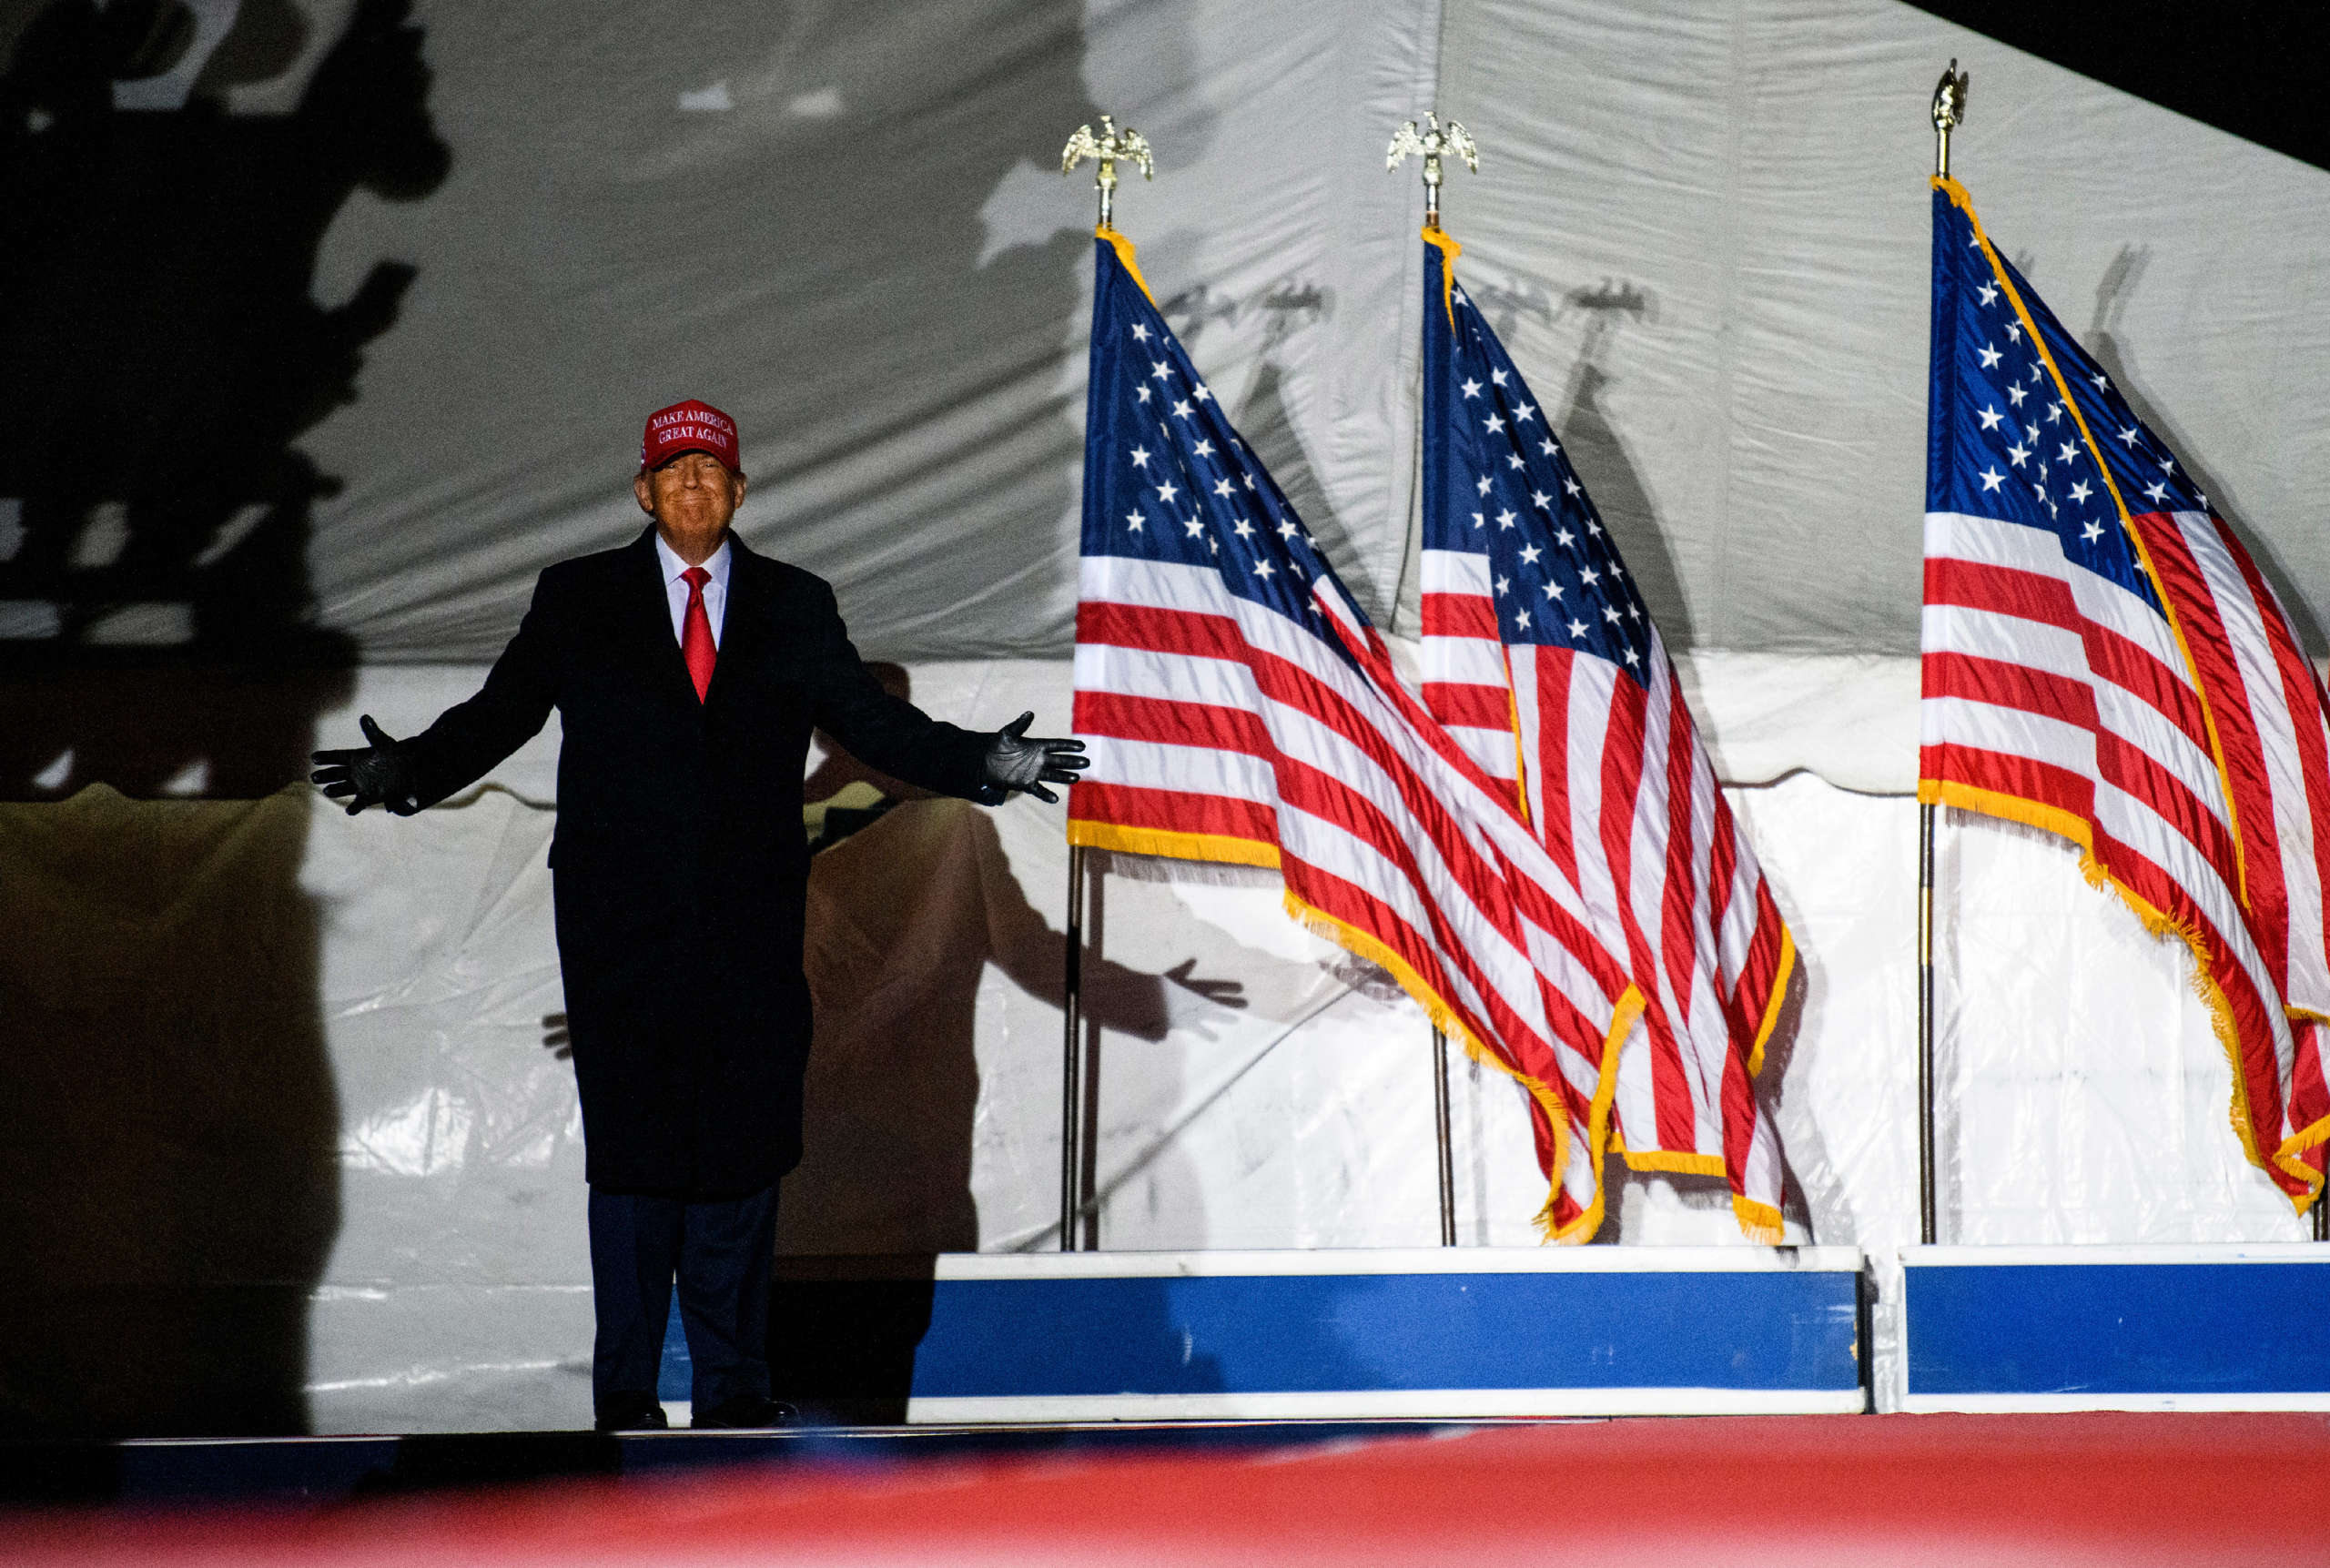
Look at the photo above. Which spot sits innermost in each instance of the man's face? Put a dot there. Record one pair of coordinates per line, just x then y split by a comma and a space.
691, 497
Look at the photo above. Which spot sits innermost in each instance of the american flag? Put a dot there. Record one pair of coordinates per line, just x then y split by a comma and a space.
1239, 707
2103, 658
1541, 657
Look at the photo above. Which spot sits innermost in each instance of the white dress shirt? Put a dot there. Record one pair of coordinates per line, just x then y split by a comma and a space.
676, 589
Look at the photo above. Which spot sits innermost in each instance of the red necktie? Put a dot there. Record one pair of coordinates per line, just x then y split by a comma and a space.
696, 632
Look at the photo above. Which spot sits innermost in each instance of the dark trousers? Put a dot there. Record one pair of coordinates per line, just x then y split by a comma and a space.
721, 1251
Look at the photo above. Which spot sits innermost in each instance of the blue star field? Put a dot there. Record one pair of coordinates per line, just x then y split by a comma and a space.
1166, 477
1496, 482
2004, 443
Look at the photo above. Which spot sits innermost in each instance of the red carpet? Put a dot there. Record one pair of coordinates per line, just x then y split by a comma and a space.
1799, 1490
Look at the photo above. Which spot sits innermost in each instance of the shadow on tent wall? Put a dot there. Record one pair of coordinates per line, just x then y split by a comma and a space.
167, 1120
2104, 340
906, 917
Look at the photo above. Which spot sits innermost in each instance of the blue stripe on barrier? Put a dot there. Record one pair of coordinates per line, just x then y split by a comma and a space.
1316, 1333
2073, 1328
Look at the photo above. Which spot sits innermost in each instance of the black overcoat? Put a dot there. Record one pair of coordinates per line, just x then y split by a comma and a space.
679, 867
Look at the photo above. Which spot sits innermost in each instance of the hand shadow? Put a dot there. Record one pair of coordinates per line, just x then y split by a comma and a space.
556, 1040
1231, 993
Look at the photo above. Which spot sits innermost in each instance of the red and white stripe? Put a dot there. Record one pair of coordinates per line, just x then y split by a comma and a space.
2050, 684
1209, 715
1464, 668
2269, 708
1622, 794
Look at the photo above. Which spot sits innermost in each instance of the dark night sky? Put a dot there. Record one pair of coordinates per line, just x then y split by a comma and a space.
2253, 67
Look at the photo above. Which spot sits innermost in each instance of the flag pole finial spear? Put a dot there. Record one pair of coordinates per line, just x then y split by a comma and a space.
1949, 112
1433, 143
1105, 149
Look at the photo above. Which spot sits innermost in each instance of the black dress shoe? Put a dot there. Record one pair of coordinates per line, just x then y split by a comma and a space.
631, 1412
747, 1410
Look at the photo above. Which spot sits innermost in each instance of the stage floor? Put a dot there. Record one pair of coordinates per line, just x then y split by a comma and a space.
2117, 1488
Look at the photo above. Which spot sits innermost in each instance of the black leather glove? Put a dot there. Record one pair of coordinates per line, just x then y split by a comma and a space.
1015, 762
377, 774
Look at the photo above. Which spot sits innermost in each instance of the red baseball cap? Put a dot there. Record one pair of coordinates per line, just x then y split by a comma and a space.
693, 426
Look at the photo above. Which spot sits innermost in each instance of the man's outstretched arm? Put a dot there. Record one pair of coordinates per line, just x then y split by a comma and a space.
467, 740
899, 739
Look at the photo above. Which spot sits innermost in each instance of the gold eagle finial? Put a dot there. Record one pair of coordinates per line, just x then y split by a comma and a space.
1433, 143
1949, 112
1105, 149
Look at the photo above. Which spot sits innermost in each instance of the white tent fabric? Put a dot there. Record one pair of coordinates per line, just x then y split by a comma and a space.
2084, 1096
845, 225
1701, 229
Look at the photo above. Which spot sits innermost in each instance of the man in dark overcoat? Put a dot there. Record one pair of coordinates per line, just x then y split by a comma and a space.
688, 673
